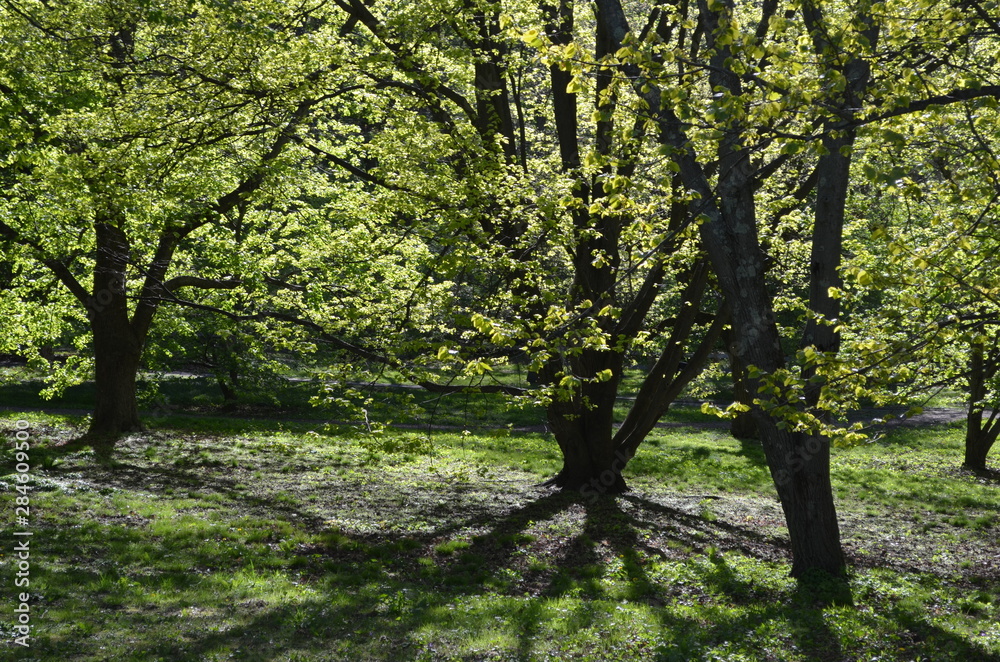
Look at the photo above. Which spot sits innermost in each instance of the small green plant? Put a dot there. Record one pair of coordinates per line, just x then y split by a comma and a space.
705, 511
451, 546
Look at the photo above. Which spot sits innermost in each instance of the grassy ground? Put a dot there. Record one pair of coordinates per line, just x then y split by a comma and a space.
215, 539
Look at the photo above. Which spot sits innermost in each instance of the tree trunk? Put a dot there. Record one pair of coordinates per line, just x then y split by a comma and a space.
743, 425
980, 435
116, 363
806, 495
117, 349
590, 463
584, 428
977, 446
664, 383
229, 384
799, 465
583, 422
229, 395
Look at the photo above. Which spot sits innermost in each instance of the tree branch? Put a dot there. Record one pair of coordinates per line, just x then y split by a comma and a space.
963, 94
203, 283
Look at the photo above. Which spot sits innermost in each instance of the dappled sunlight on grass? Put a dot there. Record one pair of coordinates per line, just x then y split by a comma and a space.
287, 543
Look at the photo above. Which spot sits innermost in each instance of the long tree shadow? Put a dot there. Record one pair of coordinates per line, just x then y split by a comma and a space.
375, 579
699, 533
383, 595
804, 612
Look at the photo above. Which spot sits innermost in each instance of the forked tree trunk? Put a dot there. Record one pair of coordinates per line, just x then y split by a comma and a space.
594, 452
583, 428
229, 384
799, 464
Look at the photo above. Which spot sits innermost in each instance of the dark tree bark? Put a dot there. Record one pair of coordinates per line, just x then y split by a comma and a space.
672, 370
119, 339
743, 425
594, 453
980, 433
228, 385
582, 421
979, 439
117, 347
116, 362
583, 426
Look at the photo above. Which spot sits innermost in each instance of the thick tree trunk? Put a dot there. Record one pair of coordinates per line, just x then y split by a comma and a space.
583, 423
229, 395
813, 529
594, 453
117, 348
584, 428
116, 363
806, 495
229, 384
977, 447
799, 465
590, 463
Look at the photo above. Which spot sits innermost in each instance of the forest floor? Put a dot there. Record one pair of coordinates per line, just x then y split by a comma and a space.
217, 539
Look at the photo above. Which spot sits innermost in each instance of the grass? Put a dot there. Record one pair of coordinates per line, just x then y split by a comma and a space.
219, 539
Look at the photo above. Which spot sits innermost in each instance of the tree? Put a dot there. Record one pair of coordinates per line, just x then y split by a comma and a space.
133, 134
929, 250
733, 110
568, 239
739, 121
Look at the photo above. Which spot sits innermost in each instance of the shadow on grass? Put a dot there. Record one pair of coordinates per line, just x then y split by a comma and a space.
692, 638
121, 587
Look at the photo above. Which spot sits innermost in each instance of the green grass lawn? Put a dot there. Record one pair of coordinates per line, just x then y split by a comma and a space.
220, 539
